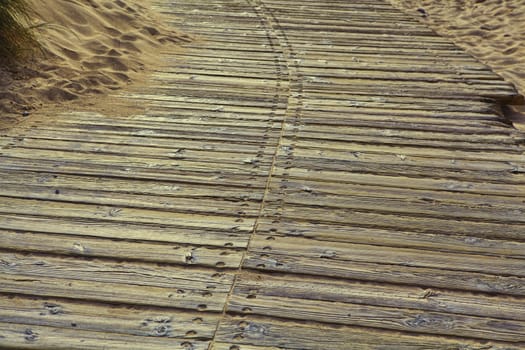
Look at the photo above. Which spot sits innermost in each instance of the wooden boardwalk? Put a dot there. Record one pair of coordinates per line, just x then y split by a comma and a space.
309, 175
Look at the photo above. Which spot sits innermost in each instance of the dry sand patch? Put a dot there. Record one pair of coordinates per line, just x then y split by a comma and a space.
91, 47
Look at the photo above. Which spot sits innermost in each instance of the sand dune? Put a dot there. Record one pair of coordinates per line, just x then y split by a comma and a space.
491, 30
90, 47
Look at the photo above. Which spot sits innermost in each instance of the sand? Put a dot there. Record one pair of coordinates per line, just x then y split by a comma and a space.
493, 31
90, 47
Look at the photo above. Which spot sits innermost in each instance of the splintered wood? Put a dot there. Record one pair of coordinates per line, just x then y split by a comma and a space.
308, 175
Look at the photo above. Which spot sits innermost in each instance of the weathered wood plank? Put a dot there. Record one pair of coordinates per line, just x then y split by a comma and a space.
220, 206
447, 185
124, 171
338, 251
23, 336
132, 231
131, 186
391, 238
74, 315
145, 151
395, 274
400, 141
322, 188
108, 281
163, 143
240, 166
305, 196
269, 333
157, 252
251, 286
384, 318
508, 156
400, 221
123, 215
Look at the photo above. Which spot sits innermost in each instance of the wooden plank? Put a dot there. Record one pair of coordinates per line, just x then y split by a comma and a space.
241, 166
340, 251
156, 252
391, 238
415, 89
108, 281
394, 165
395, 274
23, 336
80, 316
353, 71
448, 185
196, 156
115, 199
323, 68
163, 143
121, 214
131, 231
125, 171
213, 134
130, 186
433, 104
322, 188
399, 141
407, 151
409, 206
258, 332
394, 318
332, 60
451, 136
252, 286
362, 110
397, 220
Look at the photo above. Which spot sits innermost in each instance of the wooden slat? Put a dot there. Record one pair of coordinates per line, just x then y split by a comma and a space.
398, 220
133, 231
157, 252
313, 249
255, 332
253, 287
23, 336
81, 316
401, 181
391, 238
266, 256
125, 171
260, 297
120, 214
107, 281
130, 186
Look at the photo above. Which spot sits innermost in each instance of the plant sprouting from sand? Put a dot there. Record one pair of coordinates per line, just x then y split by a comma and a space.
17, 40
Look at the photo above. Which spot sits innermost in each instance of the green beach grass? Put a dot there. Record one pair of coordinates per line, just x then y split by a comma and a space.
17, 40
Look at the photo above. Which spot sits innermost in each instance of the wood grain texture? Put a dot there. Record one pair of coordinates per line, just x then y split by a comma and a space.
304, 175
266, 333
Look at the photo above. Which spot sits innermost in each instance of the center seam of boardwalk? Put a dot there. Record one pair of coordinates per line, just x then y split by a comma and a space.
270, 27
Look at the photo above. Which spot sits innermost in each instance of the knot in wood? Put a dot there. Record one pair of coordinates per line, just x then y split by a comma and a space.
53, 309
431, 321
30, 336
255, 331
